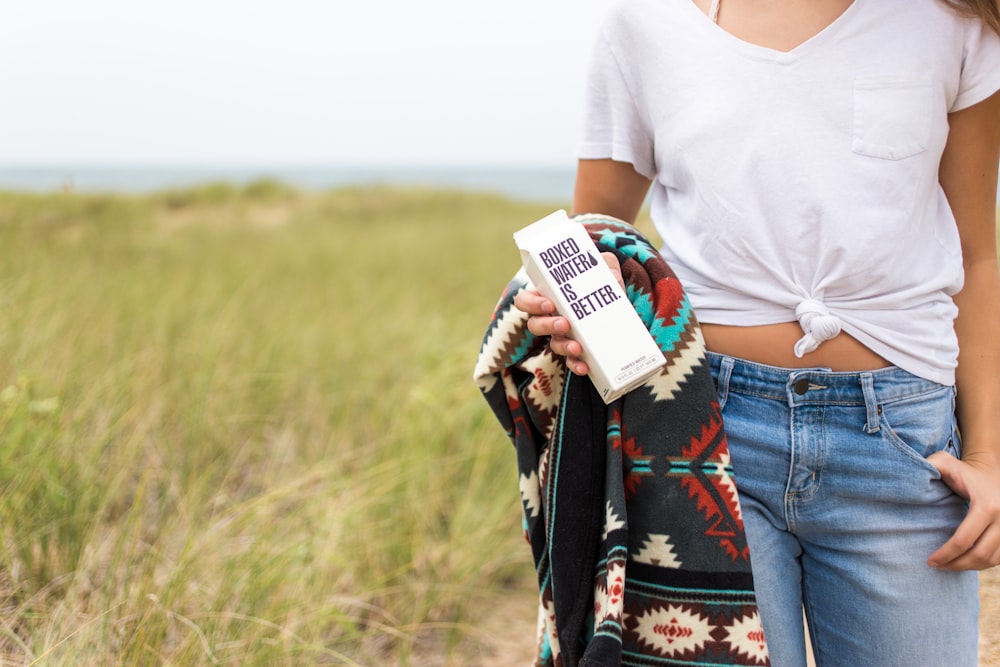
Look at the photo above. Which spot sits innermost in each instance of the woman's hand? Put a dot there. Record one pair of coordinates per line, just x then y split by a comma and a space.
975, 545
602, 186
543, 320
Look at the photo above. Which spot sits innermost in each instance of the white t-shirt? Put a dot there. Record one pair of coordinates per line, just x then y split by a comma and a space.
802, 181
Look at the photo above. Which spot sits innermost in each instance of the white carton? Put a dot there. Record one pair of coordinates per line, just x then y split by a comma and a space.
564, 264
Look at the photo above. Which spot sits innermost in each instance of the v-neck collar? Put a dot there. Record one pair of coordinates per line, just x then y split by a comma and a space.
758, 52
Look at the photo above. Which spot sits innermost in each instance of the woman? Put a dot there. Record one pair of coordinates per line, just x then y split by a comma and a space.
824, 177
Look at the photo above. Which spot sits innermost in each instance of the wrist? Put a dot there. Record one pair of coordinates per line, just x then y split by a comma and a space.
981, 457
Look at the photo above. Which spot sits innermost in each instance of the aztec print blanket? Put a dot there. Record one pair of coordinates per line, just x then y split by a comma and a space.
630, 509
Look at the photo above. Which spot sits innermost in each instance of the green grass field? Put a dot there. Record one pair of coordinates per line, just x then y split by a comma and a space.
239, 428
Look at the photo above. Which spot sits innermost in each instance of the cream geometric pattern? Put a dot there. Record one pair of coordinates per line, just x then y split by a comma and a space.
657, 550
665, 384
611, 521
747, 636
531, 494
609, 599
673, 630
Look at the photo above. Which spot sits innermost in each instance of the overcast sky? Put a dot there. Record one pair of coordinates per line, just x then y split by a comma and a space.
293, 81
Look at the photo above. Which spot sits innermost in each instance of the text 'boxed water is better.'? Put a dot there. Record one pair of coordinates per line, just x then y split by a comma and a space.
565, 266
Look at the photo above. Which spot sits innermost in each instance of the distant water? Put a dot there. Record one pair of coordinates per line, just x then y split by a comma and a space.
530, 184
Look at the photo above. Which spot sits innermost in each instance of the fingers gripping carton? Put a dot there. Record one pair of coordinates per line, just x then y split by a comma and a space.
566, 267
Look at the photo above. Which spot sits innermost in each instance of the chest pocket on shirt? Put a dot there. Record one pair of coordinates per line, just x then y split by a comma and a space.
892, 115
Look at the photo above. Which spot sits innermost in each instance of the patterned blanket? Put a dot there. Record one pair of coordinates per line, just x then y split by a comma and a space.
630, 508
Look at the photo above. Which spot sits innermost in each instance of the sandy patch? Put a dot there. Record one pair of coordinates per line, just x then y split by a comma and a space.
989, 618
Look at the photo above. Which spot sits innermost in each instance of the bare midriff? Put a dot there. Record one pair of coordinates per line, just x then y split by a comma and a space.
772, 344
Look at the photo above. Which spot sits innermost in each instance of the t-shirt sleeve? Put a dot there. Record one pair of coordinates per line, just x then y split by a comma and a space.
614, 124
980, 65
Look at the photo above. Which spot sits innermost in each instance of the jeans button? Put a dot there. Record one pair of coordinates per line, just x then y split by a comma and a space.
801, 387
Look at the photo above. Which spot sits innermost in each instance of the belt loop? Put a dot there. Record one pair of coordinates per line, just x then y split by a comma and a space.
725, 372
871, 402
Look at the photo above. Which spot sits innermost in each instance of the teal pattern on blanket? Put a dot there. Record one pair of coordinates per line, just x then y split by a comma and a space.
630, 508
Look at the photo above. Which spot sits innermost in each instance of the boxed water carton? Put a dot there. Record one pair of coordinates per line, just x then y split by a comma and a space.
566, 267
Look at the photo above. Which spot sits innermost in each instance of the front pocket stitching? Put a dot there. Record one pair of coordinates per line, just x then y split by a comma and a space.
882, 83
903, 447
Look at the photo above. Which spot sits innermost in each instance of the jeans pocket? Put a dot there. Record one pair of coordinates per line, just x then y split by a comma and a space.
892, 115
919, 426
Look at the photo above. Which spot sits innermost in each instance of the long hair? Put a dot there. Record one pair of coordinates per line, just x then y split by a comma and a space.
986, 10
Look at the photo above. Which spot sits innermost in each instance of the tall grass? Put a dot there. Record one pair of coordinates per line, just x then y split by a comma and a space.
238, 427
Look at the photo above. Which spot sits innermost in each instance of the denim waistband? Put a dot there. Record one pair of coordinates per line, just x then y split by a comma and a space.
800, 386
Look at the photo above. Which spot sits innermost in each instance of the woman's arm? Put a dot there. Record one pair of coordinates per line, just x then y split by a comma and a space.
969, 177
609, 188
602, 186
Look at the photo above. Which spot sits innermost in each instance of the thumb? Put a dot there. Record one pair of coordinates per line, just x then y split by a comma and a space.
951, 470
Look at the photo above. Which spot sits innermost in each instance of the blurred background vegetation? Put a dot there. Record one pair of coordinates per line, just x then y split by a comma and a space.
239, 427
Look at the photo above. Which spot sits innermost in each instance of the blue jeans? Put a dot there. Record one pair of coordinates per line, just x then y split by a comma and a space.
842, 509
